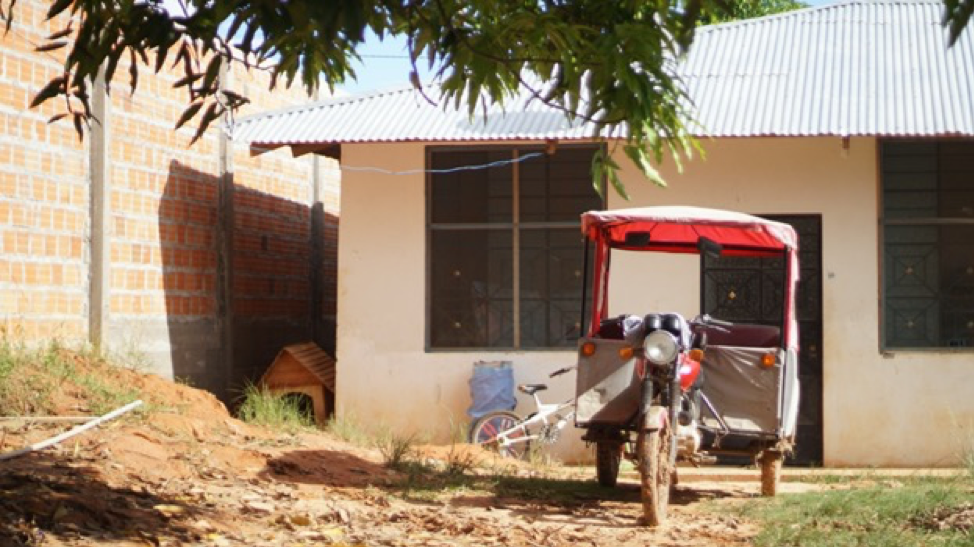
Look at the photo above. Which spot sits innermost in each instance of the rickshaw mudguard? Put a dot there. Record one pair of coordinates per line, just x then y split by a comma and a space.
607, 386
656, 419
790, 391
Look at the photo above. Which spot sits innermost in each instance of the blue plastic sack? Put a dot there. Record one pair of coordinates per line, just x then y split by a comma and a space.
491, 388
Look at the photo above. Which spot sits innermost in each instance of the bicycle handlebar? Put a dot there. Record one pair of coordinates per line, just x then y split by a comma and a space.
560, 371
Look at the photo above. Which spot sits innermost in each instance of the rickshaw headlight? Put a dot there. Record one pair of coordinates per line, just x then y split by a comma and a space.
661, 347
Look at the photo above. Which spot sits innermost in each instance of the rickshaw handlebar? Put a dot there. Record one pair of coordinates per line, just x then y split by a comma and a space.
706, 320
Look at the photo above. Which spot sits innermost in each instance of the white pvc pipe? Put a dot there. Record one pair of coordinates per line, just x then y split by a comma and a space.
71, 432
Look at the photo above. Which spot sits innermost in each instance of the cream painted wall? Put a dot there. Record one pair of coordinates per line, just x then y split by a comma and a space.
384, 373
900, 409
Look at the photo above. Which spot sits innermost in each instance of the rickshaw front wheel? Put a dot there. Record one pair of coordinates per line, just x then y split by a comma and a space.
653, 449
771, 461
608, 454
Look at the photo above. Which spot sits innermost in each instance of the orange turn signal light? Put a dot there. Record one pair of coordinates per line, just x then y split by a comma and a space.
588, 349
768, 360
625, 353
696, 354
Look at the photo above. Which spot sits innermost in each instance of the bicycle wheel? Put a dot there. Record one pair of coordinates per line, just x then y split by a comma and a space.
486, 429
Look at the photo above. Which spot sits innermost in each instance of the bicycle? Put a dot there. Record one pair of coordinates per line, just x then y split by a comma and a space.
511, 435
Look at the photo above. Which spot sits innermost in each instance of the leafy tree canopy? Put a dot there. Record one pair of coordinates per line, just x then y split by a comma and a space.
748, 9
610, 62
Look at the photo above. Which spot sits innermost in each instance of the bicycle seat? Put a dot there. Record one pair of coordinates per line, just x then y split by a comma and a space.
531, 389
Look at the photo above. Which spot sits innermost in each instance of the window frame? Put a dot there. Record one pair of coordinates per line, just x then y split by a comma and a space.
514, 227
883, 222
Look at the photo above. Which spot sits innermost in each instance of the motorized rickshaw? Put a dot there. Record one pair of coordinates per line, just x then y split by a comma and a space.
659, 388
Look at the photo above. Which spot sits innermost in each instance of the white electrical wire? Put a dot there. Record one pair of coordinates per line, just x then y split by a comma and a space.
498, 163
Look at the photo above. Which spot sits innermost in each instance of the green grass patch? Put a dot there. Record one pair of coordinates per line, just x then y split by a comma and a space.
349, 429
103, 397
278, 411
428, 480
35, 379
888, 513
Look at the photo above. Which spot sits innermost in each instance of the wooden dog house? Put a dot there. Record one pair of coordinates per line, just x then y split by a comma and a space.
304, 369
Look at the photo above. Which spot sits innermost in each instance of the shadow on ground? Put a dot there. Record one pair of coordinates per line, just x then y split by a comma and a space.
42, 495
326, 467
543, 498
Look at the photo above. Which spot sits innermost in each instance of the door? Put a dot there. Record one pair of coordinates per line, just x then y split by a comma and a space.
750, 290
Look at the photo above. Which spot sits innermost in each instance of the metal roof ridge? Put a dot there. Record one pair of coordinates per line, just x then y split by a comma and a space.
810, 9
332, 101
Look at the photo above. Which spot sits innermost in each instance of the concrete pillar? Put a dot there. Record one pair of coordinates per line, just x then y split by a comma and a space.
317, 235
99, 203
225, 223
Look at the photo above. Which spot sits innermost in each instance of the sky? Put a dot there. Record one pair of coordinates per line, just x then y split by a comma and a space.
385, 64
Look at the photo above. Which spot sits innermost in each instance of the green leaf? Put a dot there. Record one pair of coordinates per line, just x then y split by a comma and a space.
212, 72
209, 116
161, 53
643, 162
51, 46
617, 184
79, 126
605, 168
57, 7
189, 113
957, 16
60, 34
187, 80
133, 71
53, 88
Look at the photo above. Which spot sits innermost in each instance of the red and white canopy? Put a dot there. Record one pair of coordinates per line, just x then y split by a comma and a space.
677, 229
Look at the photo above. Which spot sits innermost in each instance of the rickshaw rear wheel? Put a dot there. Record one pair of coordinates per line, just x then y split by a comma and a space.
653, 451
771, 461
608, 455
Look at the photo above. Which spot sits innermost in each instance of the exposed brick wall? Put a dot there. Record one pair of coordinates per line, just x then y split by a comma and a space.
43, 196
163, 222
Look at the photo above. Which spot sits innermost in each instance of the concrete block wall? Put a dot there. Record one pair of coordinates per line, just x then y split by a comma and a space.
209, 261
43, 195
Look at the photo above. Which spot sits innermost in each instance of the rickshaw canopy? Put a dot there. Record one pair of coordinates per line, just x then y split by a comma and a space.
677, 229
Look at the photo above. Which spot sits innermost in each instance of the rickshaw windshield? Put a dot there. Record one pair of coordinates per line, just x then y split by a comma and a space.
680, 230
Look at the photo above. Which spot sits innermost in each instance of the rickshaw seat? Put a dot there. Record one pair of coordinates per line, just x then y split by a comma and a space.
746, 335
531, 389
621, 327
611, 329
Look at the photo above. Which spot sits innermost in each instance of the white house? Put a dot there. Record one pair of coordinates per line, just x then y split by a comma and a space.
853, 121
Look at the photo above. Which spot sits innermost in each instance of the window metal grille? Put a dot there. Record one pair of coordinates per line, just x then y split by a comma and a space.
504, 247
928, 243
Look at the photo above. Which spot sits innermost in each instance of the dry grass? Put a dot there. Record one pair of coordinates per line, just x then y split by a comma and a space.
280, 412
35, 380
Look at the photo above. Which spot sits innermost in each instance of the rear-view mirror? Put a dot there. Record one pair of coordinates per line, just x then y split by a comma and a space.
709, 247
637, 239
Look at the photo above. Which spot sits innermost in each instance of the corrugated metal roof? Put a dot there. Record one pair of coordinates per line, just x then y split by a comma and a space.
862, 67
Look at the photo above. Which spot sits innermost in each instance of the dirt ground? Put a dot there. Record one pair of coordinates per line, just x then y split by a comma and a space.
186, 473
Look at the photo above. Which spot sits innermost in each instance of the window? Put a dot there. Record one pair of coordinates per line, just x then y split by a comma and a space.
505, 250
928, 243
